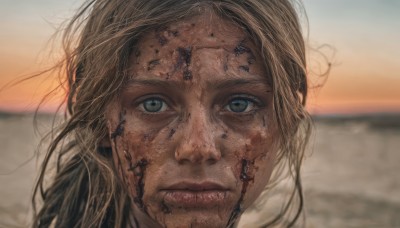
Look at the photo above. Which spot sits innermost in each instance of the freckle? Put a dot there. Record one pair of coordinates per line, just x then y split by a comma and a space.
187, 75
146, 137
162, 40
175, 33
212, 34
225, 67
224, 136
156, 51
164, 208
152, 64
241, 48
151, 46
250, 60
193, 24
171, 133
244, 68
184, 57
137, 53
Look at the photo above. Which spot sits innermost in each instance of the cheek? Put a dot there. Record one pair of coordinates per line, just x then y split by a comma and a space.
130, 158
255, 162
137, 152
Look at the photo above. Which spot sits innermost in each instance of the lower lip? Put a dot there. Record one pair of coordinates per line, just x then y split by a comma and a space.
195, 199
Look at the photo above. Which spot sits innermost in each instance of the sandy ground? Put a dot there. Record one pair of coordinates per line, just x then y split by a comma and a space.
351, 175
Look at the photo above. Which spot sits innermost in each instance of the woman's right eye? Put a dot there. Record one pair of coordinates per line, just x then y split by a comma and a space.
153, 105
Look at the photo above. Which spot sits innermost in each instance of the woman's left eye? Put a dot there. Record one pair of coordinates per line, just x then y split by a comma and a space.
153, 105
240, 105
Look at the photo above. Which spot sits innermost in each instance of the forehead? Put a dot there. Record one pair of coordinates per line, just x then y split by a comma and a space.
201, 45
205, 30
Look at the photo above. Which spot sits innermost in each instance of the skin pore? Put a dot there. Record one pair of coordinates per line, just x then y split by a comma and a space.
192, 134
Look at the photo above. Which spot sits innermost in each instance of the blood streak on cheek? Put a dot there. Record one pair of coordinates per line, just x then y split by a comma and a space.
245, 178
138, 170
119, 130
171, 133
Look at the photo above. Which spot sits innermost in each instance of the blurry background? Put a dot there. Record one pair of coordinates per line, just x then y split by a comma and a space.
351, 175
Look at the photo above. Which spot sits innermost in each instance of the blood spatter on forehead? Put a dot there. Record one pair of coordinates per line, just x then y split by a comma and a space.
161, 39
163, 34
180, 47
184, 57
241, 48
187, 75
244, 68
153, 63
183, 61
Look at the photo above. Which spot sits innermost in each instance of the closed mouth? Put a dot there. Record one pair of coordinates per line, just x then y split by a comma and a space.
195, 195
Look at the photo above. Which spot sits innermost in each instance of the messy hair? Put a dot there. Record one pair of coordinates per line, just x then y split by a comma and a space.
85, 190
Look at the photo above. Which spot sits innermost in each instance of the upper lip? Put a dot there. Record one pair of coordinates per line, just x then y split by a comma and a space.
195, 186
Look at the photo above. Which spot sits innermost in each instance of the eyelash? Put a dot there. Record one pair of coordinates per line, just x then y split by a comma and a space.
252, 103
142, 102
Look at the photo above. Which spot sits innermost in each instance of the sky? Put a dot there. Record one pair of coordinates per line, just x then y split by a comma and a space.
359, 37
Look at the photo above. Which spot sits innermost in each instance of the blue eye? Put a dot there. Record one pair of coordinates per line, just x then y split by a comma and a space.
153, 105
240, 105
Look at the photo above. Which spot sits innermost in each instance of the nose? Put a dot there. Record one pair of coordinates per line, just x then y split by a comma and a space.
198, 144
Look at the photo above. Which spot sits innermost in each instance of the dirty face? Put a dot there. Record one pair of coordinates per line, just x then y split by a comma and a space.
192, 133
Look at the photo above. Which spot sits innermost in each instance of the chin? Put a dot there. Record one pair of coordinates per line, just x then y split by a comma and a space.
201, 218
170, 213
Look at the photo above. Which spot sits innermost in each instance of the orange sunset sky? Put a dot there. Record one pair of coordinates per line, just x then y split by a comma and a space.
364, 39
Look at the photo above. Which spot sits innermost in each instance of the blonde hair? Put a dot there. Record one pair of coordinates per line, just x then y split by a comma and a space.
98, 41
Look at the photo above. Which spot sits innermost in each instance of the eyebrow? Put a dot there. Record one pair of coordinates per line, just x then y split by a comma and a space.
218, 84
153, 82
227, 83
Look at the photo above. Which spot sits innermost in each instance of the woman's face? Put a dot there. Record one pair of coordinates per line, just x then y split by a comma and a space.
192, 133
